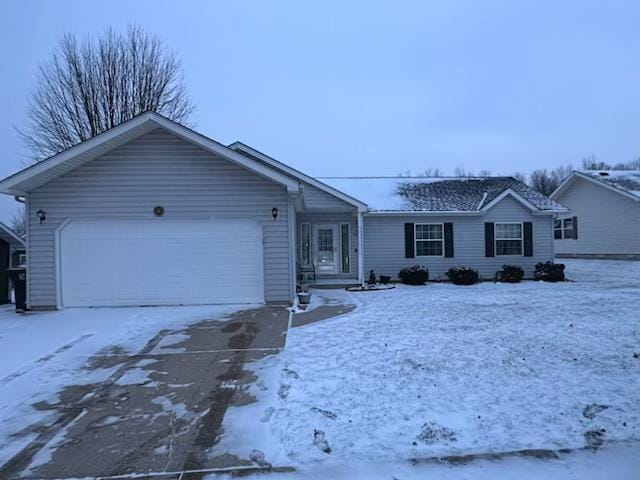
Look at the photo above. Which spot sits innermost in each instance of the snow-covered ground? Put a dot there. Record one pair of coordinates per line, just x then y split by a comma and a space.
43, 352
420, 372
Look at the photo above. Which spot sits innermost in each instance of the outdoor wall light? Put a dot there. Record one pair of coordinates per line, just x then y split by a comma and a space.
42, 215
274, 213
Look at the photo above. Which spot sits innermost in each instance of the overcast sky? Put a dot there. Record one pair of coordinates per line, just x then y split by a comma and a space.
373, 88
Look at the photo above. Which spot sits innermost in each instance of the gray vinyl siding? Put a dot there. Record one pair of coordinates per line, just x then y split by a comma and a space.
608, 222
384, 246
336, 219
319, 200
157, 169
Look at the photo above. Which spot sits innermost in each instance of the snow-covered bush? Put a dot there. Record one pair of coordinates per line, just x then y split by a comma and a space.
462, 275
549, 272
416, 275
510, 274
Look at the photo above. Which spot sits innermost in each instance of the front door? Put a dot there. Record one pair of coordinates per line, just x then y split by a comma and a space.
326, 251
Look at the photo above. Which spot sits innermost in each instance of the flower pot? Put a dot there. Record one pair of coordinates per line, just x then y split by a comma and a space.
304, 298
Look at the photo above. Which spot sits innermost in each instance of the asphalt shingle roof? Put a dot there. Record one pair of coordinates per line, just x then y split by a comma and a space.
435, 194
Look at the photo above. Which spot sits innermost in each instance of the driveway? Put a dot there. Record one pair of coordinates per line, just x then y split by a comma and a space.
160, 409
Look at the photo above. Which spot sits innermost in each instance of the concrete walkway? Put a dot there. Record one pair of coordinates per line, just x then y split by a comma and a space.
161, 409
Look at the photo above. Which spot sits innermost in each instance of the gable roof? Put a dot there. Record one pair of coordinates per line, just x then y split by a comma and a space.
440, 194
9, 236
38, 174
624, 182
272, 162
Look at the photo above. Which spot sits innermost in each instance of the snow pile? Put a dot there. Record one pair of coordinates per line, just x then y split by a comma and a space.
438, 370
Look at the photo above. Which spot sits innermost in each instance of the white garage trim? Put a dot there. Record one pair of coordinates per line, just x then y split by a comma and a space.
159, 262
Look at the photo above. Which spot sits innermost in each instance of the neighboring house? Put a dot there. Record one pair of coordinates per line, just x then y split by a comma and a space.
153, 213
12, 254
605, 215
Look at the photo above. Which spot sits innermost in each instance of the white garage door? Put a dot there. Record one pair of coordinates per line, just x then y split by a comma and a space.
161, 262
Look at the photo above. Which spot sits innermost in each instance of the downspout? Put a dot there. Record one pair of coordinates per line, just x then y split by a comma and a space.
360, 247
291, 198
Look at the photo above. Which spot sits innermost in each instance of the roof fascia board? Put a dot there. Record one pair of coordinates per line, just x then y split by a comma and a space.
412, 213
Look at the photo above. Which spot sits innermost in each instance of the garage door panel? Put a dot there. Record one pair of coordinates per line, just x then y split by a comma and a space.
161, 263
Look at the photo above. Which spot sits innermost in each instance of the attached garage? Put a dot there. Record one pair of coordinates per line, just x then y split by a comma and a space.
160, 262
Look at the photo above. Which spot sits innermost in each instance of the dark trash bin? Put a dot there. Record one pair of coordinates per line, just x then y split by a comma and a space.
19, 281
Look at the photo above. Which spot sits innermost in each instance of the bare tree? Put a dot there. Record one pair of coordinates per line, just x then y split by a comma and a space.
89, 87
18, 222
521, 177
542, 181
591, 163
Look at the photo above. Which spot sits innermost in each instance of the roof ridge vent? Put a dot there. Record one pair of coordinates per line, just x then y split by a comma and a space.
603, 174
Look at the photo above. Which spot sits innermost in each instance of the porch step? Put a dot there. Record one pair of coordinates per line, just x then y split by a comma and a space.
335, 283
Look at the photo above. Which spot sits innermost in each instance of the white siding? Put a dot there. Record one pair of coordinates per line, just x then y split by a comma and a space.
157, 169
608, 223
384, 242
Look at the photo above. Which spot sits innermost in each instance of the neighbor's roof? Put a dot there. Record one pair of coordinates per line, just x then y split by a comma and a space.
438, 194
624, 180
9, 236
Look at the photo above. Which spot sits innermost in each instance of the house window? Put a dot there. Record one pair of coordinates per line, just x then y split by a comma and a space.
509, 239
345, 247
429, 239
563, 228
22, 260
557, 229
305, 244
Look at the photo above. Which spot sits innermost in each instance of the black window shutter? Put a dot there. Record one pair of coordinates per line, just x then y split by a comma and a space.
409, 241
528, 239
489, 240
448, 240
575, 228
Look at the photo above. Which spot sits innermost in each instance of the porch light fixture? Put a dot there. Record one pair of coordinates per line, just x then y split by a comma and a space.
274, 213
42, 215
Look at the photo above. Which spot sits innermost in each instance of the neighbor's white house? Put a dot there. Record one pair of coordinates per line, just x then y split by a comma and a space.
153, 213
605, 215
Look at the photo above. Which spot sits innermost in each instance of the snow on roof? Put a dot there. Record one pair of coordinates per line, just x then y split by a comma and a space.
434, 194
625, 180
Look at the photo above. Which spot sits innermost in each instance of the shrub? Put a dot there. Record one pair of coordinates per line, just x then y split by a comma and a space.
510, 274
416, 275
549, 272
462, 275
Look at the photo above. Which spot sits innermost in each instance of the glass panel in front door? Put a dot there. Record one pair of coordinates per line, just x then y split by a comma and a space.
326, 251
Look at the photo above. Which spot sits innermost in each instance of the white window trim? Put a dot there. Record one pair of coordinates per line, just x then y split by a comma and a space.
416, 240
496, 239
310, 256
562, 228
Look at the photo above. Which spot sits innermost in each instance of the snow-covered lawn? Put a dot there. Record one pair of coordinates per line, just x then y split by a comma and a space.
418, 372
43, 352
